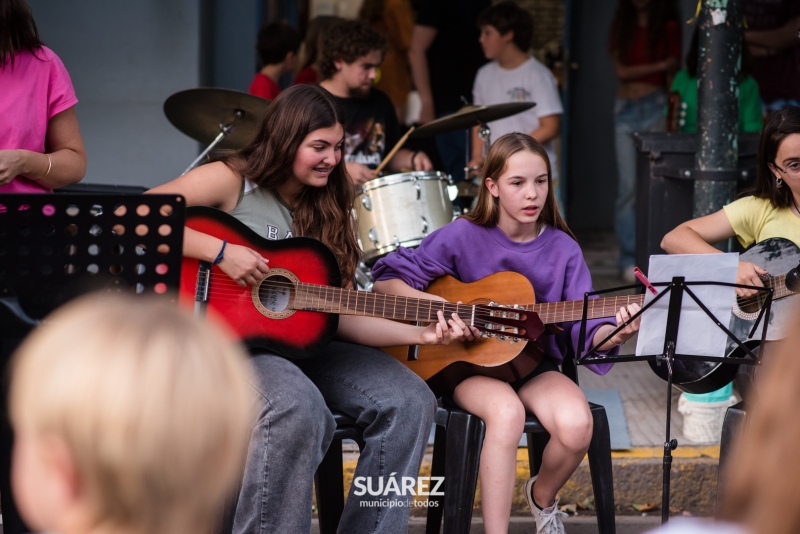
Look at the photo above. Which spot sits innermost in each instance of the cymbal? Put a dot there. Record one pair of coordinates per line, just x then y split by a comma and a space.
470, 116
201, 114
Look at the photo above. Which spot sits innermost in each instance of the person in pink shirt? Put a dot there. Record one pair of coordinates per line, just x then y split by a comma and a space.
41, 148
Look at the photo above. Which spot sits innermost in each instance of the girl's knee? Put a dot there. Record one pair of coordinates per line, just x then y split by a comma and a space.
506, 423
574, 429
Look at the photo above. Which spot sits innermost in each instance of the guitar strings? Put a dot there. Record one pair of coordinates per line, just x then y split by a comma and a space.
310, 295
319, 297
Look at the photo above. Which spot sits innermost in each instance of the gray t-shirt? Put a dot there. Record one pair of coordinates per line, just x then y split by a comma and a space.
263, 212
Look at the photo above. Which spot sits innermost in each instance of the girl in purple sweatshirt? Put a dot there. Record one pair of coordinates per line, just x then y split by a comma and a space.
516, 227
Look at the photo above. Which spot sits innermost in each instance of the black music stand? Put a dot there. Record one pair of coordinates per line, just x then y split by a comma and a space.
56, 247
676, 290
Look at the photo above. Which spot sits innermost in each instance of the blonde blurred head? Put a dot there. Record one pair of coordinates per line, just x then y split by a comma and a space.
144, 411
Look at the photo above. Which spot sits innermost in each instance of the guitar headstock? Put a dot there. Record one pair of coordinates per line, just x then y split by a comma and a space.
508, 322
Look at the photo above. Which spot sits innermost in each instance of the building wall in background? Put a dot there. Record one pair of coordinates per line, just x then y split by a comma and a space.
125, 59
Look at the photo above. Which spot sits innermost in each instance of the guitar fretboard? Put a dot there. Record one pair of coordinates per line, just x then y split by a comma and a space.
778, 285
572, 310
349, 302
328, 299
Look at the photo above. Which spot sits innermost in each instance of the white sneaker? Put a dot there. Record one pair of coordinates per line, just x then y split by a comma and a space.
548, 521
628, 276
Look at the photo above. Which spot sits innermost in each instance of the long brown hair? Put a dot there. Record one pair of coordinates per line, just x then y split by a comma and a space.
17, 31
778, 126
487, 211
311, 49
323, 213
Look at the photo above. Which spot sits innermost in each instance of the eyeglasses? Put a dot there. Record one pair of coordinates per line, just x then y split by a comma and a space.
792, 169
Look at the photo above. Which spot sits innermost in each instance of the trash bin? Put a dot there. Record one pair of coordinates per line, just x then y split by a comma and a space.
665, 175
703, 414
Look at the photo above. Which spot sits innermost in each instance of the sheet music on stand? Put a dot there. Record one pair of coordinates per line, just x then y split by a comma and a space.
698, 334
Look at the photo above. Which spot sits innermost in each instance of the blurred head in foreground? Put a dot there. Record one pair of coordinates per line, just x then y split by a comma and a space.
130, 416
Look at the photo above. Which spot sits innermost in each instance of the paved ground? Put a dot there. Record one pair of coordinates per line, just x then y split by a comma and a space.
573, 525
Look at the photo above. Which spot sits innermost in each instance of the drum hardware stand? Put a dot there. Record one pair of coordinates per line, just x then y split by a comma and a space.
485, 134
224, 130
676, 289
363, 276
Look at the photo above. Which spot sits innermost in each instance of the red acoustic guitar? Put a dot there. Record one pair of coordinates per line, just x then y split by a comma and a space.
294, 311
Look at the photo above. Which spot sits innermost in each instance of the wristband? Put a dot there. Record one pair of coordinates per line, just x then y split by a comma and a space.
221, 254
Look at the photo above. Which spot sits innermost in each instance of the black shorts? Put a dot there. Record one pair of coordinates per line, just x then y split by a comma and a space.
544, 366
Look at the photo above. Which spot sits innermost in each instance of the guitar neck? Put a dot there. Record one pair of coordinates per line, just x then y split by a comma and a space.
328, 299
311, 297
572, 310
778, 285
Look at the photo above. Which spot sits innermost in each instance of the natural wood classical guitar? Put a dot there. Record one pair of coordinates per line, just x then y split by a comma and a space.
444, 366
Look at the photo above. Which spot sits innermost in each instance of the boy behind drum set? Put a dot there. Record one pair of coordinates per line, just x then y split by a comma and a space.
352, 53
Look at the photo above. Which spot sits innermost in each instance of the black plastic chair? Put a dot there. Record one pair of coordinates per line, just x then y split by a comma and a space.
456, 456
732, 425
457, 451
329, 478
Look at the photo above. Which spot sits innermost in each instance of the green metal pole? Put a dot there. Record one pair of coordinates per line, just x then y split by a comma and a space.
719, 65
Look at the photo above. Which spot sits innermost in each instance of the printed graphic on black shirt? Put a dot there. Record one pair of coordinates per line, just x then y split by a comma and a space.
366, 143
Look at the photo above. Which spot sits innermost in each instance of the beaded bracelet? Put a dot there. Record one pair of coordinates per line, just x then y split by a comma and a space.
221, 254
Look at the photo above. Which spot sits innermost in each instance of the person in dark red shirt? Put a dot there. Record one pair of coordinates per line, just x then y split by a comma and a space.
277, 46
645, 46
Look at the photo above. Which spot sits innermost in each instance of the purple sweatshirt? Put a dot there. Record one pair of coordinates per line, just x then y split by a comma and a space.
553, 263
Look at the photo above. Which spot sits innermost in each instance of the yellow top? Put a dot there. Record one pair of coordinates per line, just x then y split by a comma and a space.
755, 219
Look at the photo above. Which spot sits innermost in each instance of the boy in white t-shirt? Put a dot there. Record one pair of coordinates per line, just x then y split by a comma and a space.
513, 75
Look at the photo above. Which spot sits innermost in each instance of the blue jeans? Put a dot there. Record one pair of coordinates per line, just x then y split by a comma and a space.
294, 428
645, 114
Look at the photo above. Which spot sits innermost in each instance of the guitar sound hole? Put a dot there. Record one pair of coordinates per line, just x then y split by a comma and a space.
750, 304
275, 293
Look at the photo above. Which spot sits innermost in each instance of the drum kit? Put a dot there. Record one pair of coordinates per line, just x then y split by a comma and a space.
394, 211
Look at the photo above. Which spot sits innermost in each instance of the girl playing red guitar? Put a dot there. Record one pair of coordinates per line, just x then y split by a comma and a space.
290, 181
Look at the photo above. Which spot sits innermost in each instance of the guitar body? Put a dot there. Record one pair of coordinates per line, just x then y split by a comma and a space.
293, 334
777, 256
444, 366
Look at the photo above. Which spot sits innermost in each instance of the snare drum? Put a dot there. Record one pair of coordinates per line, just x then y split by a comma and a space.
401, 209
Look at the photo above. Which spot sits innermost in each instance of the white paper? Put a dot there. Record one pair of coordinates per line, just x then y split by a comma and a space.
698, 334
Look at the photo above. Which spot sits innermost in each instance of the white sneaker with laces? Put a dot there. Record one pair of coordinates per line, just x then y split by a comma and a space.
548, 521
